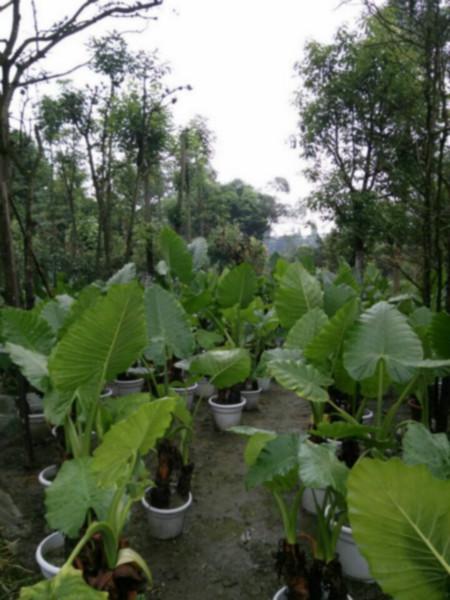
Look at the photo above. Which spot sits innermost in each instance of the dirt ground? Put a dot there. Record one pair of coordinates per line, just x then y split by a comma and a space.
230, 534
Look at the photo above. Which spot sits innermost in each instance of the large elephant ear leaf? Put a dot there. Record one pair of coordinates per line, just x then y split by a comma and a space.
32, 365
382, 334
26, 328
321, 468
276, 465
136, 434
56, 311
176, 254
297, 293
330, 338
421, 447
224, 367
306, 328
87, 298
105, 341
440, 334
237, 287
167, 325
73, 493
68, 584
335, 296
305, 380
400, 520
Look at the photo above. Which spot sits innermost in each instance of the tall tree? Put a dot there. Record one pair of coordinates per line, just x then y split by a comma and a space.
20, 52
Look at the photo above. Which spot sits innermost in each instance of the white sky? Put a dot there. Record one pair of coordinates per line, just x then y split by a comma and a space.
238, 55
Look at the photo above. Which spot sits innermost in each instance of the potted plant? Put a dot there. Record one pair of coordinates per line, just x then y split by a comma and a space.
226, 368
169, 498
275, 462
94, 514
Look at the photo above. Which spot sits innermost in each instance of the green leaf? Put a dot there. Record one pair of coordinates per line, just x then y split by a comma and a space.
440, 334
125, 275
208, 339
382, 334
68, 584
72, 494
276, 465
28, 329
224, 367
277, 354
167, 326
32, 365
237, 287
56, 311
136, 434
258, 439
87, 298
122, 407
305, 329
330, 338
342, 430
345, 275
320, 467
57, 406
106, 340
303, 379
400, 520
176, 254
421, 447
336, 296
297, 293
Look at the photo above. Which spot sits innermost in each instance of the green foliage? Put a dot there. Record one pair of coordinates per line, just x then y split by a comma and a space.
237, 287
125, 275
224, 367
74, 491
305, 380
320, 467
329, 340
421, 447
277, 464
306, 329
103, 342
440, 334
168, 329
130, 437
33, 365
382, 335
66, 585
401, 523
298, 292
26, 328
176, 255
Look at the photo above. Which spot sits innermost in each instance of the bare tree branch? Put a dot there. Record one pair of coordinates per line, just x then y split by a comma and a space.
49, 77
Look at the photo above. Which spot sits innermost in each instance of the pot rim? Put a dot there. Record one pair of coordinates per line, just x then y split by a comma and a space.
42, 476
213, 404
190, 388
129, 382
258, 391
43, 562
166, 511
284, 589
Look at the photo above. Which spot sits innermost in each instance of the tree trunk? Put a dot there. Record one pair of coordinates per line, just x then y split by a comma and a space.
7, 257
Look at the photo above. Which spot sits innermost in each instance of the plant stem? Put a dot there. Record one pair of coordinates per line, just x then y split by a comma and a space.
379, 415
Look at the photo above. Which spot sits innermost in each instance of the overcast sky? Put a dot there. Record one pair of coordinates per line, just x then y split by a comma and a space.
238, 55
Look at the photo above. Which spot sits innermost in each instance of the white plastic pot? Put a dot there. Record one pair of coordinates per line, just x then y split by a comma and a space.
123, 388
205, 389
308, 502
252, 397
264, 383
54, 541
166, 524
226, 415
282, 595
47, 475
187, 393
353, 563
107, 393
